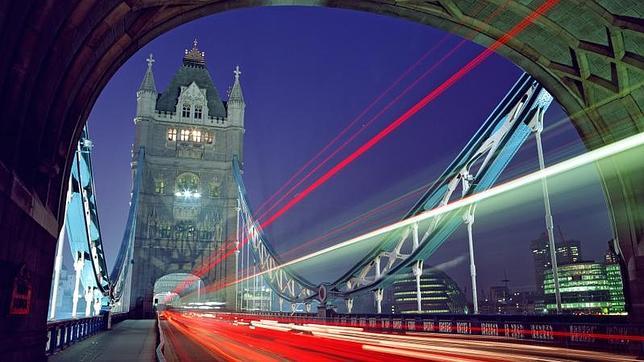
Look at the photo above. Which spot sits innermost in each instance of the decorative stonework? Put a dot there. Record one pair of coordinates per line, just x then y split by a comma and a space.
184, 218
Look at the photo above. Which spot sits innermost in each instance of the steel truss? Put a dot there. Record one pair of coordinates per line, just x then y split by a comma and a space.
285, 283
121, 272
475, 169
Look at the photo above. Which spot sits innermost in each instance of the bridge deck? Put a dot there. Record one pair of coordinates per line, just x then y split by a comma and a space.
130, 340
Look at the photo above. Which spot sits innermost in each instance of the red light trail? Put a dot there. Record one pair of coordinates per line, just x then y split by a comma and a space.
374, 118
351, 124
432, 95
206, 335
412, 111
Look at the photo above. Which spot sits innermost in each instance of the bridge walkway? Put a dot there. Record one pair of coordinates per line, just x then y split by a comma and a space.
130, 340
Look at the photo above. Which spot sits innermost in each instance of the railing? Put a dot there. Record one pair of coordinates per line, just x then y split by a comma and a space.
62, 334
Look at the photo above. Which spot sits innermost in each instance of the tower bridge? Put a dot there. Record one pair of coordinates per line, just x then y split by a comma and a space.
190, 215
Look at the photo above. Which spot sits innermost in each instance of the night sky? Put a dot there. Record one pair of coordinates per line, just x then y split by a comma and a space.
306, 73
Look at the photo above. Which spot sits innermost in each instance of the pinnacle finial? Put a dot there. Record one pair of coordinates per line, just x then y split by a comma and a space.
194, 56
150, 60
237, 72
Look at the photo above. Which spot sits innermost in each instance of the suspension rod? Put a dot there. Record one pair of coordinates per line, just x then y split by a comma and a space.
538, 128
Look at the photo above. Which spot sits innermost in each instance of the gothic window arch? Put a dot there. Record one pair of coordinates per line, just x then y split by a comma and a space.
196, 135
185, 111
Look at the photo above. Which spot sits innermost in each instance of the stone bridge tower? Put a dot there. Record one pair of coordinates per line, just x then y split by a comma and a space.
187, 213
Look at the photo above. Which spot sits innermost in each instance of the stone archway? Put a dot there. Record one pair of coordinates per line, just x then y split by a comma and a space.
58, 56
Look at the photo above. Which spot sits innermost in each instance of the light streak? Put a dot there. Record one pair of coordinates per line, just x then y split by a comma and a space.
359, 131
433, 94
547, 5
413, 110
251, 337
559, 168
351, 124
429, 71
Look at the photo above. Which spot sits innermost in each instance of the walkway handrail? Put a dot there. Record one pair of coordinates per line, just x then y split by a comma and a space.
61, 334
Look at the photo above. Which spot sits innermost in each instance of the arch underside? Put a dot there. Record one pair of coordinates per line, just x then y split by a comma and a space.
59, 55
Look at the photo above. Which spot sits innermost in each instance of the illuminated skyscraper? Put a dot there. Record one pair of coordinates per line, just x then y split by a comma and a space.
568, 251
587, 288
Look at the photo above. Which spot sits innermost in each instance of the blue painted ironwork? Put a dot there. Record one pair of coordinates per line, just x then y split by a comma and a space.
82, 220
122, 266
475, 169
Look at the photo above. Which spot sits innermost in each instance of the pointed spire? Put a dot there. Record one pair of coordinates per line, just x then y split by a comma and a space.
148, 81
236, 94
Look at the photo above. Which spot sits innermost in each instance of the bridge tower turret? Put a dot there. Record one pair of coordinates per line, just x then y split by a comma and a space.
146, 96
236, 104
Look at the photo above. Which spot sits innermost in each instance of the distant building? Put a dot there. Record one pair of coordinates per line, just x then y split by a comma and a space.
586, 288
568, 251
499, 294
610, 257
615, 281
439, 294
502, 301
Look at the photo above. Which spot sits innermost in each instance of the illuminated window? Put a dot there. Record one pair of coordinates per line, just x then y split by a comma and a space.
184, 135
186, 111
159, 186
186, 184
172, 134
198, 112
209, 137
196, 135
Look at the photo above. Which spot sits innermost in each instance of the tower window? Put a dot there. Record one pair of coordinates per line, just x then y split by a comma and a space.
172, 134
186, 111
196, 135
208, 137
214, 189
159, 186
184, 135
198, 112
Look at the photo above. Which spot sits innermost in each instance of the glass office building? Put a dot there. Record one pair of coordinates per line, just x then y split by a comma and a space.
439, 294
586, 288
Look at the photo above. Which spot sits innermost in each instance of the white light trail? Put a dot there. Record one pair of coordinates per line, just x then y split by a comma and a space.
564, 166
